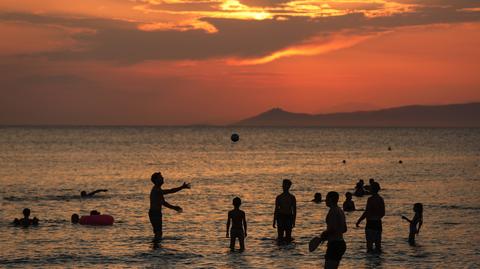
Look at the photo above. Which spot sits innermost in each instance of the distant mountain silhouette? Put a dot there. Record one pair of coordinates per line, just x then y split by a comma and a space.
455, 115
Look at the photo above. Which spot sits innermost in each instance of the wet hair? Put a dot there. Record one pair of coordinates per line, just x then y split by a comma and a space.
26, 212
348, 194
287, 183
418, 208
83, 193
237, 202
155, 177
75, 218
332, 196
375, 187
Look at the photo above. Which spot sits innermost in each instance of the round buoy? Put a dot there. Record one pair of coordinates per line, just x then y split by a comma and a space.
235, 137
389, 148
400, 162
344, 161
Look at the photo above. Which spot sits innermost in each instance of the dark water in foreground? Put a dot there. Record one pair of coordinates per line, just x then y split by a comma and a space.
46, 168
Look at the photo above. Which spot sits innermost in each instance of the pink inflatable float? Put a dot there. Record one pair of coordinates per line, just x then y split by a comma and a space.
100, 220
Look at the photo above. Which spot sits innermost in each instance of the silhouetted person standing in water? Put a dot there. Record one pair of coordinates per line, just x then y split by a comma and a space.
239, 225
157, 200
336, 227
85, 194
374, 212
415, 223
285, 213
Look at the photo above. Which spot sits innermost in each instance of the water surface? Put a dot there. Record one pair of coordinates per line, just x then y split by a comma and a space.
45, 168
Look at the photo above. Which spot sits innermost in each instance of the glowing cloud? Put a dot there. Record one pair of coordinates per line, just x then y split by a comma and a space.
312, 48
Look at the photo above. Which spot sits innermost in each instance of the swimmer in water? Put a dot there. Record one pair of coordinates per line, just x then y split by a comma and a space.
359, 190
317, 198
368, 187
94, 213
415, 223
75, 218
239, 225
26, 221
91, 194
285, 213
348, 205
157, 200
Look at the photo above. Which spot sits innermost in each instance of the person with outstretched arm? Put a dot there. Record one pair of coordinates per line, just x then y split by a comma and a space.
157, 200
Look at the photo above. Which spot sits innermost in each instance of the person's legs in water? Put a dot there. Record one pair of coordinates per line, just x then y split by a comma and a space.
280, 234
411, 239
369, 237
335, 251
232, 242
288, 229
156, 221
378, 242
241, 240
288, 234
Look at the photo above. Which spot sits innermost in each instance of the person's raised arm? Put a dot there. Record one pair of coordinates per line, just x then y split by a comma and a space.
96, 191
245, 224
275, 212
174, 207
405, 218
228, 224
185, 185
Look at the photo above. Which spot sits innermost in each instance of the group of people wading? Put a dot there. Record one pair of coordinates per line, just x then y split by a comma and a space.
284, 218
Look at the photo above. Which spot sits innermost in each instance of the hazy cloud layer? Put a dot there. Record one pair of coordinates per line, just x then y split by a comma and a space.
124, 41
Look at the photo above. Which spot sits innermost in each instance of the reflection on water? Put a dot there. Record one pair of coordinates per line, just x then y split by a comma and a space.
46, 168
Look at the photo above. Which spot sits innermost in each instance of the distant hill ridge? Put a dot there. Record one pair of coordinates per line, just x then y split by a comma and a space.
454, 115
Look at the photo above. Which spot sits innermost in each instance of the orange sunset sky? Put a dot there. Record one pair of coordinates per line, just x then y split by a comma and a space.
164, 62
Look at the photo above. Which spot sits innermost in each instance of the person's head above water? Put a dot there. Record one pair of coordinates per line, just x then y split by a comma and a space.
26, 212
75, 218
157, 178
348, 195
237, 202
286, 184
317, 198
371, 181
374, 188
418, 208
332, 198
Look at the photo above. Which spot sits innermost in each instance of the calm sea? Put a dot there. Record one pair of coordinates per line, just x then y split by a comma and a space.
46, 168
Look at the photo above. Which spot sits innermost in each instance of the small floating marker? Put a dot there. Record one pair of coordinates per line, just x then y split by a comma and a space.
235, 137
389, 148
344, 162
400, 162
